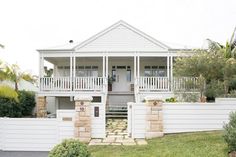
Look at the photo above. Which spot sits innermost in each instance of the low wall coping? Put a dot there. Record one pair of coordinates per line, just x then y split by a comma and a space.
150, 98
83, 98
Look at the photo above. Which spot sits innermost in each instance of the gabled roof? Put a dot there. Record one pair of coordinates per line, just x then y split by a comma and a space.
126, 25
150, 41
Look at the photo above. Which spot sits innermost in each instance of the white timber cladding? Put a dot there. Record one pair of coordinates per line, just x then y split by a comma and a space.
39, 134
137, 113
29, 134
182, 117
121, 37
190, 117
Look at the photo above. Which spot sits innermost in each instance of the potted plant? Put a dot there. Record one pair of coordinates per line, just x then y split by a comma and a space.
230, 134
110, 81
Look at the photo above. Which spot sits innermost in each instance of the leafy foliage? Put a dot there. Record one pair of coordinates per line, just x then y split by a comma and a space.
230, 132
22, 106
26, 102
8, 92
9, 108
70, 148
172, 99
14, 74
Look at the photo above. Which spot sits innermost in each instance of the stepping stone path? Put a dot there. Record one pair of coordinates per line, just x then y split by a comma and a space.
117, 135
119, 140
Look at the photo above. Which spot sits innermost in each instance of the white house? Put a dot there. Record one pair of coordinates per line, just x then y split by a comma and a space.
136, 64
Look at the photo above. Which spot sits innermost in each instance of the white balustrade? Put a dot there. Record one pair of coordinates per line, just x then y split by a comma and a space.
55, 83
153, 83
88, 83
186, 83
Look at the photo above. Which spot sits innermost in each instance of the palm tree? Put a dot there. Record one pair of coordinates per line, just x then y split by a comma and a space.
13, 73
2, 46
229, 49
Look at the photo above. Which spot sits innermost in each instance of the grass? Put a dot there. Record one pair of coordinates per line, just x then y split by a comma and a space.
203, 144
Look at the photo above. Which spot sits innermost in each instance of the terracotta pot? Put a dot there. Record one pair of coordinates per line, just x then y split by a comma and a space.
109, 87
232, 154
203, 99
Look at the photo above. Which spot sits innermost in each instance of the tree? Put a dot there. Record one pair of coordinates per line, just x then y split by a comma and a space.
48, 72
228, 50
2, 46
14, 74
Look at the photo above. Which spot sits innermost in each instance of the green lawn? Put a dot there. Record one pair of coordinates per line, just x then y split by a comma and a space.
204, 144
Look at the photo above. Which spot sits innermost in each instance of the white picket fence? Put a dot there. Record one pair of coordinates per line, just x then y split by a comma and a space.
182, 117
42, 134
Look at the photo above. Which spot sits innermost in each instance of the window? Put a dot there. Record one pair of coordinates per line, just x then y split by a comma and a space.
155, 71
87, 71
97, 99
121, 67
113, 75
128, 75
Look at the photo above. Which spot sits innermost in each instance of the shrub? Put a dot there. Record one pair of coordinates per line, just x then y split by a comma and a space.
26, 102
8, 92
172, 99
214, 89
9, 107
230, 132
17, 107
70, 148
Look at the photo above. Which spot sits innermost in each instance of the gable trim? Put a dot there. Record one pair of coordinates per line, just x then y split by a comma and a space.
121, 23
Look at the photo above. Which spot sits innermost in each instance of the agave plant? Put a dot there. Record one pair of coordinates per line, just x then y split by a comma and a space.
229, 49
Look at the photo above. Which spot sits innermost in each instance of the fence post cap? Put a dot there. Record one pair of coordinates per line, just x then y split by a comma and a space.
83, 98
152, 98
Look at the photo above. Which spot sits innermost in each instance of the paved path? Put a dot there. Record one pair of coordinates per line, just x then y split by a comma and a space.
116, 134
22, 154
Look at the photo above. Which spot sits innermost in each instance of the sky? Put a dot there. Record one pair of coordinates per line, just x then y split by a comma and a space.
27, 25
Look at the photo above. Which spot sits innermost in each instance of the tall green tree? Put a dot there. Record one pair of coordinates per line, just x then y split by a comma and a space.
2, 46
228, 50
14, 74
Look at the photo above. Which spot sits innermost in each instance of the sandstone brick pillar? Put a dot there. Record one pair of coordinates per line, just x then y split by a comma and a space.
41, 107
82, 124
154, 119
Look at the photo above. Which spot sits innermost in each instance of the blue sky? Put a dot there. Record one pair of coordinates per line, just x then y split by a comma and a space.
28, 25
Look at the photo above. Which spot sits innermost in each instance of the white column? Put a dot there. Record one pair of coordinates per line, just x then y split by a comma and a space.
71, 74
74, 62
135, 70
135, 76
138, 76
103, 71
103, 66
138, 72
171, 72
106, 70
168, 72
41, 69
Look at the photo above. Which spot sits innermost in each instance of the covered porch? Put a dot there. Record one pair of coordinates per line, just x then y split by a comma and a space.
129, 74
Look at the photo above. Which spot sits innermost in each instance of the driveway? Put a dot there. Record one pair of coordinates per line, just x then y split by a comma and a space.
22, 154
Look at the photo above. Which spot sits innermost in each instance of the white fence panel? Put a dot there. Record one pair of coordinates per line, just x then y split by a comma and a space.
1, 133
29, 134
137, 117
98, 123
66, 128
66, 124
189, 117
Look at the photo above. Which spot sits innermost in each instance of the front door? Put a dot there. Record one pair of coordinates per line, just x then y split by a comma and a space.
121, 81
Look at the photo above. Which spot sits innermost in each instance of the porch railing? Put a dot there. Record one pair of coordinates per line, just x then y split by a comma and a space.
88, 83
153, 83
55, 83
186, 84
